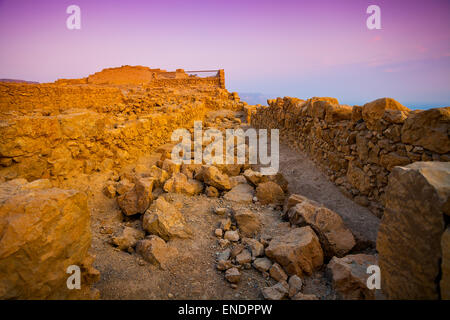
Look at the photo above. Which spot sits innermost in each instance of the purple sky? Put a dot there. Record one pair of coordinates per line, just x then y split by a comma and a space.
297, 48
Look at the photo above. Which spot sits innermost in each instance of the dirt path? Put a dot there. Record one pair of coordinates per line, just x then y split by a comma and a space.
305, 178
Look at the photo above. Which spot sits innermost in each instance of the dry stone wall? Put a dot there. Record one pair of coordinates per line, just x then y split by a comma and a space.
358, 146
55, 132
49, 98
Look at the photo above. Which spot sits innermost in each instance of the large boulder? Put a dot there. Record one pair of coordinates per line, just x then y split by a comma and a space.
337, 112
128, 238
429, 129
254, 178
374, 111
43, 232
164, 220
242, 193
336, 239
316, 106
159, 175
410, 233
349, 275
138, 199
248, 222
270, 193
179, 183
156, 251
213, 177
298, 251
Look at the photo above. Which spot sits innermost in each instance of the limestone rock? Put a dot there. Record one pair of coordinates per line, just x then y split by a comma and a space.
350, 275
262, 264
164, 220
109, 190
190, 170
39, 227
429, 129
225, 224
293, 200
410, 233
295, 285
221, 211
270, 193
256, 247
233, 275
277, 272
298, 251
211, 192
213, 177
253, 177
171, 167
242, 193
235, 180
374, 111
156, 251
138, 199
338, 112
123, 186
248, 222
223, 265
218, 233
159, 175
276, 292
128, 238
179, 183
358, 178
232, 236
244, 257
230, 169
336, 239
393, 159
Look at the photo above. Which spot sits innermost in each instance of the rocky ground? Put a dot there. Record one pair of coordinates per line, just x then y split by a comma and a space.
222, 244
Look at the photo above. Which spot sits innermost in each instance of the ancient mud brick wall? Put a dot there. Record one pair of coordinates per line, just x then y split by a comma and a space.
358, 146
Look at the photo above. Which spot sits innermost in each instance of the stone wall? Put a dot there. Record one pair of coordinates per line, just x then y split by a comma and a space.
413, 239
26, 98
213, 82
46, 135
358, 146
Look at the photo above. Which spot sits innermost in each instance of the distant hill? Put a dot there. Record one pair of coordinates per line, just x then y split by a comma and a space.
253, 98
17, 81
